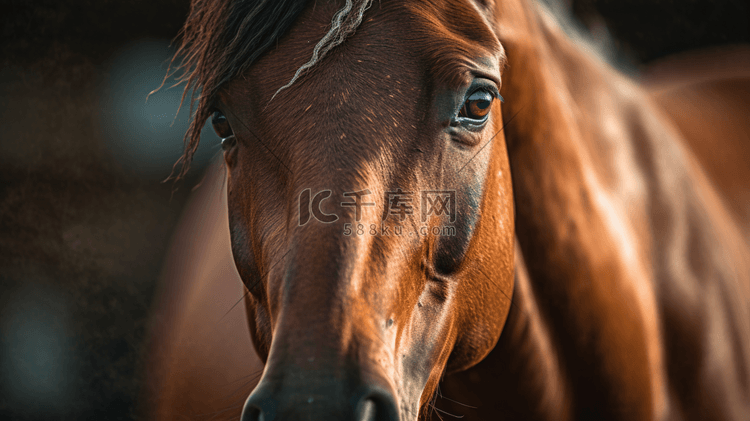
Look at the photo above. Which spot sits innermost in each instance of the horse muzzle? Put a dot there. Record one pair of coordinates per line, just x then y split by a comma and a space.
310, 397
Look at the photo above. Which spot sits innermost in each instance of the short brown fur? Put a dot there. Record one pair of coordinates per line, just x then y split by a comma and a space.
623, 246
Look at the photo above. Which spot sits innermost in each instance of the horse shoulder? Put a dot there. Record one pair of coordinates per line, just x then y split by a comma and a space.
202, 363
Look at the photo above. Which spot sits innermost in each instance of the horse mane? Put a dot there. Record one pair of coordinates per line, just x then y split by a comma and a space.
600, 42
221, 40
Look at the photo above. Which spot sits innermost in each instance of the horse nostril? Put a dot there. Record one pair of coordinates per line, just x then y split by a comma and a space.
379, 406
252, 412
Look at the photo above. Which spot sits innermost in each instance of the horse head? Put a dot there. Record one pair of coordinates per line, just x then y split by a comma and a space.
369, 195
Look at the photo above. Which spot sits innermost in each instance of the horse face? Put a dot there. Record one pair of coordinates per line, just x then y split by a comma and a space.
370, 210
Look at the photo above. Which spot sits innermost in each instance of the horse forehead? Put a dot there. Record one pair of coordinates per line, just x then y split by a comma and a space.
395, 37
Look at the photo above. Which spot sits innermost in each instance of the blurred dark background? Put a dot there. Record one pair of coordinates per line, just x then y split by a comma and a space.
85, 220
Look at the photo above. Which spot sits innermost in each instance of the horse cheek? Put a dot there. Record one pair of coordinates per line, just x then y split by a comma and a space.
487, 277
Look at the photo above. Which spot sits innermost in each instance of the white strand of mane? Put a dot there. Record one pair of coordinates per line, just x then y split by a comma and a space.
344, 24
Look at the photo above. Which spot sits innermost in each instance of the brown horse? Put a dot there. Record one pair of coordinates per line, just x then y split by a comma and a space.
385, 204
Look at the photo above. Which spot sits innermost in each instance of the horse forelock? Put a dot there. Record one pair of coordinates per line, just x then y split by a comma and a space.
221, 40
344, 23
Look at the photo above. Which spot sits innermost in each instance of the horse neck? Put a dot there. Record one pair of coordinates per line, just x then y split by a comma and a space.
579, 191
612, 211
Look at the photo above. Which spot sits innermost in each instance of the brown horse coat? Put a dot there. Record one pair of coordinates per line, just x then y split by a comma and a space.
632, 285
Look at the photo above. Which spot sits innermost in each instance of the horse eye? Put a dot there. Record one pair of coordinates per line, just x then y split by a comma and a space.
477, 107
221, 125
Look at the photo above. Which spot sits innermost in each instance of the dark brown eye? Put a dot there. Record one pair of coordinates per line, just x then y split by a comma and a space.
477, 107
221, 125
